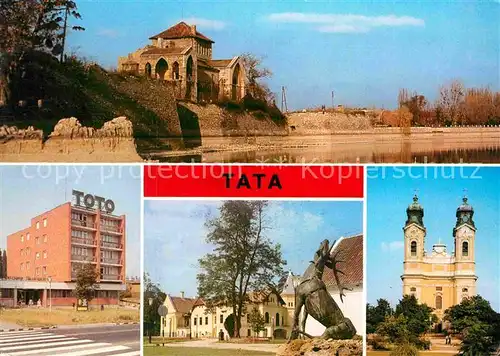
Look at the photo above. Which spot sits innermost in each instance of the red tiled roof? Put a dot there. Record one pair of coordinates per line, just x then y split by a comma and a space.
181, 30
183, 305
220, 62
350, 250
198, 302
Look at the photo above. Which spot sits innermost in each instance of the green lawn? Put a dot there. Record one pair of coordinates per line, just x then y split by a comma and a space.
199, 351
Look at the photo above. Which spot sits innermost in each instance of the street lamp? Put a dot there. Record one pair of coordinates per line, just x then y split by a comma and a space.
150, 301
50, 293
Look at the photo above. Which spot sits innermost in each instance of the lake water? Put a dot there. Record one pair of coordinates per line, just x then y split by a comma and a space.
352, 149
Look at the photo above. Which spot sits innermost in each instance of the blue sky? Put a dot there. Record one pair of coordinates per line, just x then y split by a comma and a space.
440, 191
364, 51
27, 191
174, 235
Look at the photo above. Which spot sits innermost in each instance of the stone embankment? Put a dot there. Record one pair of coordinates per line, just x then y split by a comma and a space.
317, 123
321, 347
70, 142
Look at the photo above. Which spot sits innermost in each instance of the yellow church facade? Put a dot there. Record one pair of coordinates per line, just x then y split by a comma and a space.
438, 278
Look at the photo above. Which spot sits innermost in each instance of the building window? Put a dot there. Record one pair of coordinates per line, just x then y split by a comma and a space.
27, 237
27, 265
206, 320
248, 318
465, 249
439, 302
277, 319
44, 222
248, 332
194, 321
22, 266
21, 252
37, 225
37, 255
413, 248
221, 319
37, 271
201, 321
37, 240
439, 289
22, 238
28, 251
44, 269
44, 254
465, 290
44, 238
267, 318
413, 289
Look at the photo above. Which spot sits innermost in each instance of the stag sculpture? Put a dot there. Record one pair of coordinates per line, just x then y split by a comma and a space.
311, 294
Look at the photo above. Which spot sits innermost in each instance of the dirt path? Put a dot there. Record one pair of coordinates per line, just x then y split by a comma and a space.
214, 344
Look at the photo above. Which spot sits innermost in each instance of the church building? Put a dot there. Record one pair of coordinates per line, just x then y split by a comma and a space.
438, 278
181, 57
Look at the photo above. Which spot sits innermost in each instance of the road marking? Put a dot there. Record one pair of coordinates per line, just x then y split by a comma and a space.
39, 338
7, 335
45, 345
19, 342
96, 351
55, 349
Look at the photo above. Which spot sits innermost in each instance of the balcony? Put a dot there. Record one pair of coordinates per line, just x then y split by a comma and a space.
81, 258
111, 245
83, 224
115, 229
111, 277
111, 261
83, 241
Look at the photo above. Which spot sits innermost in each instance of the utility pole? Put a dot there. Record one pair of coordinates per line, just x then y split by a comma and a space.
66, 10
333, 95
284, 106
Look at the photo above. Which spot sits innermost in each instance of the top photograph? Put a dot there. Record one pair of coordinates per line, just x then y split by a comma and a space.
249, 82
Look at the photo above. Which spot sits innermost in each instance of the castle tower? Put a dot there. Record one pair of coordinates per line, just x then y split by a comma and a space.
464, 234
414, 247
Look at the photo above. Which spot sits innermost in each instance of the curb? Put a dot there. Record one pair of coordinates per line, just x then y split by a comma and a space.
128, 323
28, 329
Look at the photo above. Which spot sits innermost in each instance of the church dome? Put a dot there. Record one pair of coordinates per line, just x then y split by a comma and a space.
415, 206
465, 207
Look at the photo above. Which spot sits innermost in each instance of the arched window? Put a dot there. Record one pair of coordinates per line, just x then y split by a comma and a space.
267, 318
147, 70
465, 290
439, 302
465, 249
161, 68
277, 319
248, 318
413, 248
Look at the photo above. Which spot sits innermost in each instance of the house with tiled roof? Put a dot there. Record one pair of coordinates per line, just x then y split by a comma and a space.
181, 56
177, 321
349, 250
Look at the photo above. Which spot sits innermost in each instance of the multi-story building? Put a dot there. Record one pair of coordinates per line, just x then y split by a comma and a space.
47, 255
439, 279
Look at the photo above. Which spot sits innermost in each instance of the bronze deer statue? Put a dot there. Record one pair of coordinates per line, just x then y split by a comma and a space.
311, 294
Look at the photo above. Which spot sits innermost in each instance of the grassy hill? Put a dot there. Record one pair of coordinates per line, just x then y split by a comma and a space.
93, 95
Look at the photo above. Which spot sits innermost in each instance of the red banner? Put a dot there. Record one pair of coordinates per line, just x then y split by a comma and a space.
253, 181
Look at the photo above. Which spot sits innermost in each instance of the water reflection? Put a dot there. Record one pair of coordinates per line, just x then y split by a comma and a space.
435, 150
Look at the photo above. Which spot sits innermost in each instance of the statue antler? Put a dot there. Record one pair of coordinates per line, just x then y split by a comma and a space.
333, 264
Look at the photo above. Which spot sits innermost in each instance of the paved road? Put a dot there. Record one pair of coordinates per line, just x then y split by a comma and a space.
115, 340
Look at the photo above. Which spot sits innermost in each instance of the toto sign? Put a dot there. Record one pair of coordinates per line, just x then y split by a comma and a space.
94, 201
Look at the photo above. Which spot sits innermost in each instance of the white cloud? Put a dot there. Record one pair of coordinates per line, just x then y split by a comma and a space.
392, 246
345, 23
108, 32
206, 23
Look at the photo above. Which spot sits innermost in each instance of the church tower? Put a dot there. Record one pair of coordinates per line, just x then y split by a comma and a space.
464, 234
414, 247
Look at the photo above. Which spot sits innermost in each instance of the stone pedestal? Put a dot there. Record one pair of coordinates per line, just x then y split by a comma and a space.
321, 347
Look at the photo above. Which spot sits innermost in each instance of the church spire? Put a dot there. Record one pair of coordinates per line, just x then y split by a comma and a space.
415, 213
465, 212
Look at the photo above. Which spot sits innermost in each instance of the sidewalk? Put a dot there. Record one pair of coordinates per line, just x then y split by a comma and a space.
6, 326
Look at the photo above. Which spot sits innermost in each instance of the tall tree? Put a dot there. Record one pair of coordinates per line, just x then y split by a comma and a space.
86, 282
28, 25
153, 291
243, 259
418, 315
256, 74
376, 314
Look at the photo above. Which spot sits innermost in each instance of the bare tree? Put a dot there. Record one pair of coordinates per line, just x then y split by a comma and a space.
255, 75
450, 102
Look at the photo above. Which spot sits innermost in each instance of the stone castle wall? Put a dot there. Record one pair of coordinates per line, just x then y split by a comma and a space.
317, 123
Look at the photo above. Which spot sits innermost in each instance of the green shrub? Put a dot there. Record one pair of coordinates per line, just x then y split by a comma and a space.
405, 349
